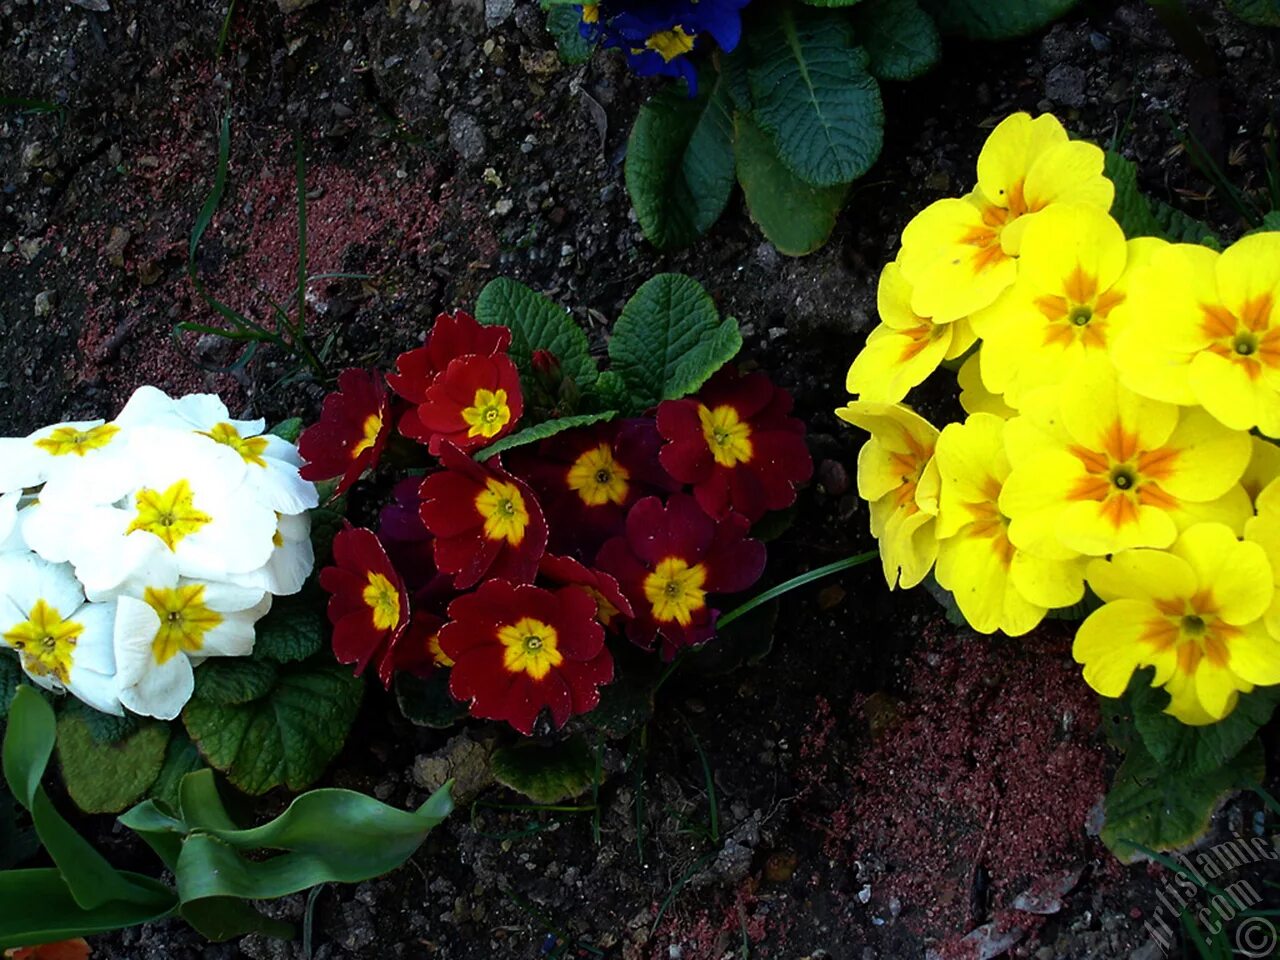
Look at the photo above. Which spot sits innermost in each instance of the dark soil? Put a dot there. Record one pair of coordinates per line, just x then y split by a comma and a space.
885, 782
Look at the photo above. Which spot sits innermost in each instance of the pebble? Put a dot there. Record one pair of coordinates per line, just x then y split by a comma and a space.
465, 136
44, 303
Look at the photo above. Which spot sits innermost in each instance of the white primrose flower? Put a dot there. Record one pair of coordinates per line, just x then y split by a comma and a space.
62, 641
271, 462
68, 453
10, 528
291, 561
172, 626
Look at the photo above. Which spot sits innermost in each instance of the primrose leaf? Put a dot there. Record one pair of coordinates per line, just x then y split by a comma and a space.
293, 630
900, 38
107, 777
832, 3
814, 97
180, 758
562, 23
426, 701
796, 217
536, 324
540, 431
290, 429
1139, 216
994, 19
1262, 13
227, 681
1161, 809
670, 339
679, 167
285, 737
546, 774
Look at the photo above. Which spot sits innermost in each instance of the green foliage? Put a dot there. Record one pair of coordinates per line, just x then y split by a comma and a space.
17, 842
10, 679
796, 217
289, 430
900, 38
104, 727
107, 777
814, 97
326, 521
540, 431
1263, 13
670, 339
562, 24
1139, 216
227, 681
180, 758
286, 736
546, 773
536, 324
294, 630
426, 701
995, 19
679, 167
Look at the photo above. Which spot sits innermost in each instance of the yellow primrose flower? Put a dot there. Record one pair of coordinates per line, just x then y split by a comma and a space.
974, 395
1192, 613
958, 254
1264, 466
1264, 530
898, 478
1205, 329
1097, 469
905, 348
996, 585
1057, 318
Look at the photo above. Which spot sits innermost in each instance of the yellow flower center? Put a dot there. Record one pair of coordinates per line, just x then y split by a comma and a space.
674, 590
372, 427
598, 478
505, 515
1192, 627
1245, 336
728, 437
1080, 314
382, 597
69, 440
590, 13
249, 448
438, 655
488, 413
46, 642
531, 647
670, 44
1122, 478
184, 620
171, 515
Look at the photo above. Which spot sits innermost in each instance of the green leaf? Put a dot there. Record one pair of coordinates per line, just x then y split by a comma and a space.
536, 324
326, 521
227, 681
1140, 217
734, 72
679, 167
107, 777
289, 430
16, 843
900, 38
1271, 220
38, 908
180, 758
670, 339
104, 727
546, 773
814, 97
427, 702
796, 217
540, 431
832, 3
295, 629
562, 23
1262, 13
1162, 809
10, 679
287, 737
994, 19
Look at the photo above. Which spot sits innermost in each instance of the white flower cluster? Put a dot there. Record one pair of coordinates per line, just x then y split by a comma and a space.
131, 550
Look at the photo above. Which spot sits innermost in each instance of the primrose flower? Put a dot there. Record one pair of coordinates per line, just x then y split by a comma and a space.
473, 402
904, 348
355, 421
1264, 530
1194, 613
668, 562
898, 478
171, 627
1098, 469
66, 454
974, 395
368, 606
736, 445
1264, 466
658, 36
959, 255
62, 641
518, 650
1060, 316
611, 602
1205, 329
484, 520
996, 585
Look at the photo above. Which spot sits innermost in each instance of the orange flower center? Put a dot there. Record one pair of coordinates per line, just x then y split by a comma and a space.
1123, 478
1080, 315
1190, 626
1247, 337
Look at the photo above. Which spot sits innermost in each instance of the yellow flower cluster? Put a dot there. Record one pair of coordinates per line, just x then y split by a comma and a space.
1111, 387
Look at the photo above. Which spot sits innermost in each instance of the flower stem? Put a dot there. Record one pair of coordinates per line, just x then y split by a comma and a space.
789, 585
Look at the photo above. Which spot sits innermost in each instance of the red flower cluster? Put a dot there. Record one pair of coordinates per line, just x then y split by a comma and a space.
511, 575
355, 421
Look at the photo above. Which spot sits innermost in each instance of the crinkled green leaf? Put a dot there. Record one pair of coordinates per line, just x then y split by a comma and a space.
994, 19
1152, 806
426, 701
1263, 13
326, 521
290, 429
38, 908
231, 680
107, 777
679, 167
1140, 216
562, 24
540, 431
546, 773
796, 217
813, 96
670, 339
295, 628
105, 727
900, 38
536, 324
180, 758
285, 738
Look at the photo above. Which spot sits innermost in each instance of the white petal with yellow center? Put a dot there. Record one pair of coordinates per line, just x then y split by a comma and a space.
291, 561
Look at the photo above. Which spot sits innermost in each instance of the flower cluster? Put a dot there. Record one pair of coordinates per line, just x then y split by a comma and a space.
509, 570
657, 37
134, 549
1111, 385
